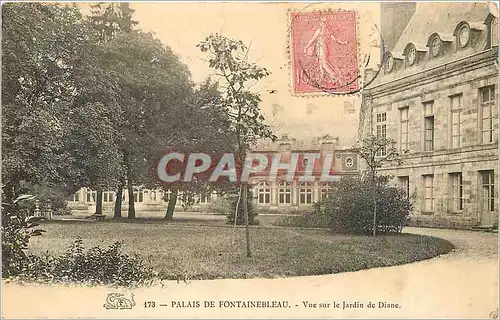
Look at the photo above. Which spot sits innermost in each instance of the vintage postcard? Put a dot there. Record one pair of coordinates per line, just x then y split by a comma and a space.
249, 160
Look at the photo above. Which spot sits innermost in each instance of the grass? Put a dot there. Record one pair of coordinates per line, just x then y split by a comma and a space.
212, 252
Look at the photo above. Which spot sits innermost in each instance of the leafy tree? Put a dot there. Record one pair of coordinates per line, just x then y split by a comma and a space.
376, 151
109, 19
153, 85
200, 126
44, 50
229, 59
94, 139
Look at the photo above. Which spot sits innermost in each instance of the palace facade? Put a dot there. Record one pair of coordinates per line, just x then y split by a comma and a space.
437, 96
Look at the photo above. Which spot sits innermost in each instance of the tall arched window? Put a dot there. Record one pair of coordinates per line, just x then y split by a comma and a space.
264, 193
305, 192
284, 193
325, 189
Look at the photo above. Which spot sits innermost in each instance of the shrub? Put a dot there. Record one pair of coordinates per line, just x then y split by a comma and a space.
17, 229
349, 206
316, 219
240, 219
219, 206
90, 266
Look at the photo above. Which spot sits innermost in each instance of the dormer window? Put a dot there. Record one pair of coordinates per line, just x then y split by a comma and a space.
392, 62
463, 35
389, 63
411, 55
468, 33
492, 24
439, 44
436, 46
414, 52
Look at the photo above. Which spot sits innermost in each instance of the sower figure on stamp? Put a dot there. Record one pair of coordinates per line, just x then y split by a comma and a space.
322, 51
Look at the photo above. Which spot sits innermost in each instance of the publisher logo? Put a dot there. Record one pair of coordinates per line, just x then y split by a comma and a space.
118, 301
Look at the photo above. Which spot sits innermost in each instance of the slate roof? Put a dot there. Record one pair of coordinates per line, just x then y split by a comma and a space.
440, 17
430, 18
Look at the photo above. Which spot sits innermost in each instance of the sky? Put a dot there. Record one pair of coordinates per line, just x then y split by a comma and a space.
265, 28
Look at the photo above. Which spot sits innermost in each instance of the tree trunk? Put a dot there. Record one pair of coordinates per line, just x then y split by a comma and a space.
245, 212
98, 201
131, 207
118, 202
169, 214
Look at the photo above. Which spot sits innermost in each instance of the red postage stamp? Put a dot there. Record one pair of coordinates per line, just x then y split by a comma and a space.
324, 52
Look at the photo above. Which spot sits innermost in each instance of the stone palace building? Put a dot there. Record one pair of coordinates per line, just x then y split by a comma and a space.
436, 95
269, 196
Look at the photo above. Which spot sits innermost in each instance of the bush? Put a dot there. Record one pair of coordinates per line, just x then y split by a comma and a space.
219, 206
240, 219
349, 206
17, 229
316, 219
92, 266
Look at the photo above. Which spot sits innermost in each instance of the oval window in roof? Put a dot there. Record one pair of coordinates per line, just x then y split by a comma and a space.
464, 35
411, 55
436, 46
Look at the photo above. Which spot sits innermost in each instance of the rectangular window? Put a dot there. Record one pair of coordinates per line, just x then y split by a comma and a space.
381, 131
76, 196
264, 193
487, 97
456, 109
285, 196
91, 195
404, 183
403, 112
428, 126
264, 198
429, 133
305, 196
107, 196
456, 189
428, 193
487, 190
138, 196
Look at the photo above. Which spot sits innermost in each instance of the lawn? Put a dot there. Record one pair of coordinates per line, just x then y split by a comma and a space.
211, 252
